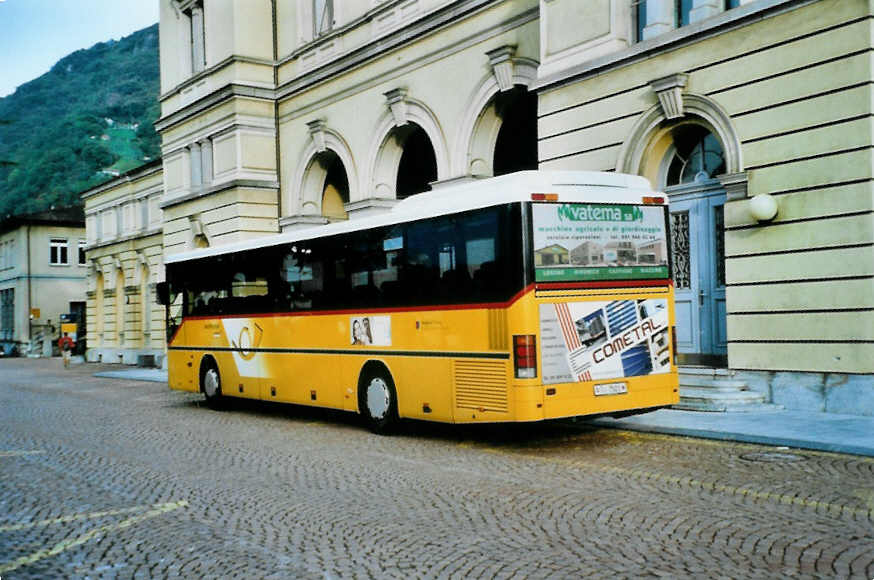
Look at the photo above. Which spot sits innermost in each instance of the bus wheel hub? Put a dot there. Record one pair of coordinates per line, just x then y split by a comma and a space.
210, 383
377, 398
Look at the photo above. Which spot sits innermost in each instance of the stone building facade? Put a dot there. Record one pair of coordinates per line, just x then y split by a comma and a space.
124, 257
278, 114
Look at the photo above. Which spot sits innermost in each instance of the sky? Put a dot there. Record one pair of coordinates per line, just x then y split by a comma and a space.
35, 34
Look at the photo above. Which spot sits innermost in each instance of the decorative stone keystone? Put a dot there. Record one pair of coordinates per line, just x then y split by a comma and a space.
317, 133
735, 185
670, 92
397, 103
501, 60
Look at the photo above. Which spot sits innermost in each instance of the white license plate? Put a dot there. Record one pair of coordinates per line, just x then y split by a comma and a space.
611, 389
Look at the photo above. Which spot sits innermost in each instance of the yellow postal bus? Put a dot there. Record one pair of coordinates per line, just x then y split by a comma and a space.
526, 297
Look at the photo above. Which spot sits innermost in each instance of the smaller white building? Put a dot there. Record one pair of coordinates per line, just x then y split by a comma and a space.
42, 276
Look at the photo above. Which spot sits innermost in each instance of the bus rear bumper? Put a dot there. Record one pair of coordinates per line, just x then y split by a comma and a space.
611, 397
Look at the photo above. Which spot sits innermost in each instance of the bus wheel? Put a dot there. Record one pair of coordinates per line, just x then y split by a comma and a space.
211, 384
378, 401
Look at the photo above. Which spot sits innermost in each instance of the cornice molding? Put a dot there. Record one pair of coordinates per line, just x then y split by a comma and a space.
142, 172
214, 99
206, 191
125, 241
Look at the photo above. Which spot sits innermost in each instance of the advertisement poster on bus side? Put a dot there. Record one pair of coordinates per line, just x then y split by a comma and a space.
591, 341
370, 330
588, 241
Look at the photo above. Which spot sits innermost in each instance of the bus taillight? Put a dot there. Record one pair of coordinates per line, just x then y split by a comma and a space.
674, 344
525, 356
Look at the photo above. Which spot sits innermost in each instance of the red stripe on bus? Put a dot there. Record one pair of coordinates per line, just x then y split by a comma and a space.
564, 319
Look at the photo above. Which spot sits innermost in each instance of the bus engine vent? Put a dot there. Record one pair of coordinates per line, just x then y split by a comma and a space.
481, 385
498, 339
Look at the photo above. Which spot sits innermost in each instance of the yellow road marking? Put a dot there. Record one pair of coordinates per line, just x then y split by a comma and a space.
158, 510
72, 518
780, 498
19, 453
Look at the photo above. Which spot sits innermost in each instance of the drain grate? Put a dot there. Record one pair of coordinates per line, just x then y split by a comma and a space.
771, 457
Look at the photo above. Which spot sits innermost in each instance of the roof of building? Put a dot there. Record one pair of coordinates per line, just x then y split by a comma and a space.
64, 216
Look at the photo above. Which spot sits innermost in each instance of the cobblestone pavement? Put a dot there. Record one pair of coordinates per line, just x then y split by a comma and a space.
113, 478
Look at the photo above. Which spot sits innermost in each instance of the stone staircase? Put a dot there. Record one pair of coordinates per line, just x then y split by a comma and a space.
719, 390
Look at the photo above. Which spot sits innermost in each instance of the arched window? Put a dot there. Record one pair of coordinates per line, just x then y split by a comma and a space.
418, 164
696, 156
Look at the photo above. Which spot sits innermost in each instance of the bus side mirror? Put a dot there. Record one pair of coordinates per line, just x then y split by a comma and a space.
162, 292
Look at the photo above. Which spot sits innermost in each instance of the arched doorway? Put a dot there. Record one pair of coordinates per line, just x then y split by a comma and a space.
693, 157
335, 190
418, 164
516, 144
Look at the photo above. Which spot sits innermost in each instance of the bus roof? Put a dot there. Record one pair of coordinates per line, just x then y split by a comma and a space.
577, 186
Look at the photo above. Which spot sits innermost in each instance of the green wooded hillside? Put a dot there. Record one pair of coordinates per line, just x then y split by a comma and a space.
88, 118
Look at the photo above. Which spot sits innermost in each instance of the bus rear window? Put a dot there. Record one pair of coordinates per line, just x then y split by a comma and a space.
580, 242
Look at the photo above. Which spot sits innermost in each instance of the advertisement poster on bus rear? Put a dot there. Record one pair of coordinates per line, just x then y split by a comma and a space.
590, 341
575, 242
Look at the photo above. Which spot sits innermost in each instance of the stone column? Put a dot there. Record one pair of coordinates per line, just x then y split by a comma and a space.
197, 45
196, 167
206, 161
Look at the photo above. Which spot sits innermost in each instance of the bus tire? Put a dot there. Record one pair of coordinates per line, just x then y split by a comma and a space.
211, 383
378, 399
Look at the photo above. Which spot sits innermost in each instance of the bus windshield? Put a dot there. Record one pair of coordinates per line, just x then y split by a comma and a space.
581, 242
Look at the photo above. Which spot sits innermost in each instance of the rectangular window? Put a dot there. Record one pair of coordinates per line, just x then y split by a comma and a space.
729, 4
684, 8
323, 16
639, 12
58, 252
7, 314
82, 252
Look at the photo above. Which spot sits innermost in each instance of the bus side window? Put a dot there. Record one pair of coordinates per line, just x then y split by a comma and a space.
430, 253
481, 242
301, 277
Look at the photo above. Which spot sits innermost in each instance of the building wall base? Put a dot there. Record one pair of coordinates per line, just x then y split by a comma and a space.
126, 356
823, 392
